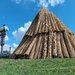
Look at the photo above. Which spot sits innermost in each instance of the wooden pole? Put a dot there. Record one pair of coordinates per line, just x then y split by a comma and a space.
63, 46
45, 46
59, 49
72, 40
40, 49
24, 47
68, 45
55, 24
31, 55
50, 37
54, 45
20, 49
52, 23
30, 46
37, 47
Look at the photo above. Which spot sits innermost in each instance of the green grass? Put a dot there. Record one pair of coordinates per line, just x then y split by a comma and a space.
37, 67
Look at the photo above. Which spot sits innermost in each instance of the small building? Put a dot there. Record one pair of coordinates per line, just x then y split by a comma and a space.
5, 54
47, 37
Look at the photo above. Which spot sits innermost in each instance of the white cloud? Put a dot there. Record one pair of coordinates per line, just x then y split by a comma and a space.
10, 48
41, 3
55, 2
22, 1
17, 1
15, 45
18, 34
46, 3
33, 0
6, 38
7, 48
7, 28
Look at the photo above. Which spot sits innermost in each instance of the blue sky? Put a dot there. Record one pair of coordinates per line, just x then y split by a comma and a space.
18, 15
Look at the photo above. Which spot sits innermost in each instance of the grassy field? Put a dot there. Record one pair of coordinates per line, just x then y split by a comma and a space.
37, 67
